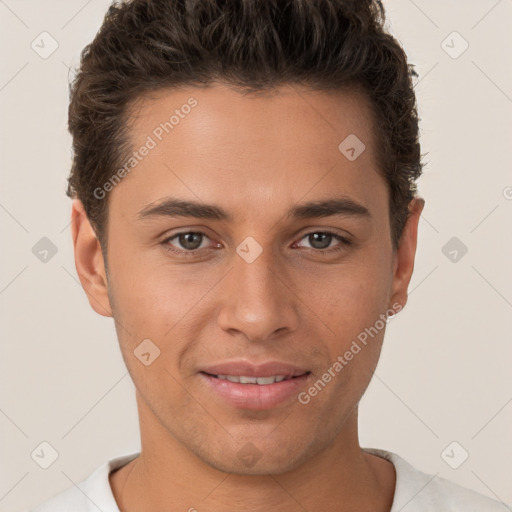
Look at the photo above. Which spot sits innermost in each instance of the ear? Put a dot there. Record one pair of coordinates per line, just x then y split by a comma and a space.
405, 254
89, 262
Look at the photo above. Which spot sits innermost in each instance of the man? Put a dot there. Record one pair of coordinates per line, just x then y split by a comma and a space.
245, 209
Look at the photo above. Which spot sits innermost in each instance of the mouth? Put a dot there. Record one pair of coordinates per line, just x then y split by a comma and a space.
263, 389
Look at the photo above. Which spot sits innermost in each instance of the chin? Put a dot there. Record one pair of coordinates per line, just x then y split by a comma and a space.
259, 457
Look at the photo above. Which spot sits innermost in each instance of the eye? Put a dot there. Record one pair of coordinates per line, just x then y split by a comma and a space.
321, 240
189, 242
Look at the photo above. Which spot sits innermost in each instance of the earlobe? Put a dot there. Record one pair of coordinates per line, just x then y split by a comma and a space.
89, 262
405, 254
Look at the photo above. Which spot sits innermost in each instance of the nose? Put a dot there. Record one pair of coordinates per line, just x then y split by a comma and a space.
258, 299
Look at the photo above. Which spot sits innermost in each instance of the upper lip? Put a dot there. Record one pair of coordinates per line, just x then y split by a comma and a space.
248, 369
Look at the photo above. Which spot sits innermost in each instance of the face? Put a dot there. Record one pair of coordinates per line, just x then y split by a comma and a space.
256, 274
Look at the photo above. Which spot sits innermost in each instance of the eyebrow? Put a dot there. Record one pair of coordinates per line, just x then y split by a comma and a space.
173, 207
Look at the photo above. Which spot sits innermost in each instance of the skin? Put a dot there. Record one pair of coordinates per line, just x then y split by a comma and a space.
256, 157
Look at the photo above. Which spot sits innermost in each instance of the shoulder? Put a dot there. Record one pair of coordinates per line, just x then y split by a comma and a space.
92, 494
452, 496
416, 491
70, 499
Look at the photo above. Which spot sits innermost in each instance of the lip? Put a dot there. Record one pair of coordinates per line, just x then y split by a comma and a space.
244, 367
255, 396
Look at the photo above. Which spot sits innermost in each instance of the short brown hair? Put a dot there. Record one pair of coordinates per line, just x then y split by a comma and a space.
148, 45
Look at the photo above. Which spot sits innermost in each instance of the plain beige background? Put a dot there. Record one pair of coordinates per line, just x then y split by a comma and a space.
444, 375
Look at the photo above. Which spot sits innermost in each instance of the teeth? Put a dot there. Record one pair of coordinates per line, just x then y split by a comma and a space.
242, 379
250, 380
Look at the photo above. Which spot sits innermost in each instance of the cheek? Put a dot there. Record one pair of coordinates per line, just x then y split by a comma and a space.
165, 304
350, 297
151, 297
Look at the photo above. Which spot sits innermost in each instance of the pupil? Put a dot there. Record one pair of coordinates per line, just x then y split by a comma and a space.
324, 238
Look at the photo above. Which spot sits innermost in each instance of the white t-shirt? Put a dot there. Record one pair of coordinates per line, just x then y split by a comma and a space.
415, 491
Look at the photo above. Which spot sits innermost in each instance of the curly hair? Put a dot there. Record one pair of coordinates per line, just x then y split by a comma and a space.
254, 45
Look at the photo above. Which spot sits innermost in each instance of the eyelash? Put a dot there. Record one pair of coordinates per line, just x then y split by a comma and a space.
191, 253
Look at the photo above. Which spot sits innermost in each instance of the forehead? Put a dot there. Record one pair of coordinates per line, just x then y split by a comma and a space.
287, 115
250, 151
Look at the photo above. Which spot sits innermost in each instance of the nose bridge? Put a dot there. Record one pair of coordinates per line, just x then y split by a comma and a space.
256, 300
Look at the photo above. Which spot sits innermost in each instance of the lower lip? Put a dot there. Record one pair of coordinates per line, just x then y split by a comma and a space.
255, 396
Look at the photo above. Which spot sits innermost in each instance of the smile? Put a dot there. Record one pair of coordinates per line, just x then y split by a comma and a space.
253, 392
